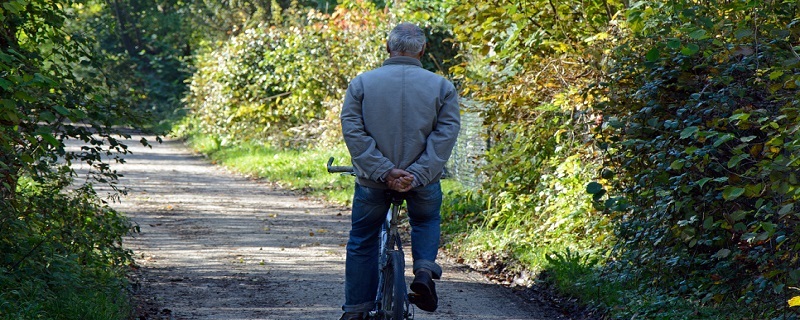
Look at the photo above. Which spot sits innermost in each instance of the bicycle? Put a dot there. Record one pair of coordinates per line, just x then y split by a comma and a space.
391, 300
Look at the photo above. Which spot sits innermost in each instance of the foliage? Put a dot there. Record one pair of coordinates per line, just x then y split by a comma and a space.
282, 82
146, 48
61, 256
45, 102
266, 84
526, 63
698, 138
794, 301
218, 20
431, 16
53, 89
700, 133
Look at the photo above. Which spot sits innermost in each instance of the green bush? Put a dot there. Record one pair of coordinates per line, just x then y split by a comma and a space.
61, 256
284, 84
527, 68
701, 137
59, 243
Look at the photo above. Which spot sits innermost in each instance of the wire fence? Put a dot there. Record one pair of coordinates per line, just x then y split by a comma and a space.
467, 158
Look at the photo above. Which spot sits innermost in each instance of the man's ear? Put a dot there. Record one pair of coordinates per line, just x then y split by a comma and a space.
421, 53
387, 48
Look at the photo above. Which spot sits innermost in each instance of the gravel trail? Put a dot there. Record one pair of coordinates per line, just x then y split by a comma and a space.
219, 245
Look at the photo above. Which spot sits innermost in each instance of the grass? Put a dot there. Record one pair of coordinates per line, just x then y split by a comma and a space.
298, 170
303, 171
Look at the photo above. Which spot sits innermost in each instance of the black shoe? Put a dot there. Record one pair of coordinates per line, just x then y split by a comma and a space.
352, 316
424, 289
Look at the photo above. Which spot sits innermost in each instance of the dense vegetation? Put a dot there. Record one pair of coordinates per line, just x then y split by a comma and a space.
701, 143
691, 111
528, 64
60, 245
625, 139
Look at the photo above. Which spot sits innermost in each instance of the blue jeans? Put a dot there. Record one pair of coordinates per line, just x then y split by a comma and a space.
369, 212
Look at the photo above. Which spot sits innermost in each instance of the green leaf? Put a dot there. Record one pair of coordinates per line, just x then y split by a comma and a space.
768, 227
594, 188
597, 196
5, 84
13, 7
690, 49
616, 124
673, 43
610, 203
741, 33
50, 139
22, 95
26, 158
47, 116
607, 174
786, 209
722, 253
731, 192
677, 164
739, 116
688, 132
708, 222
735, 160
703, 181
63, 111
775, 74
747, 138
738, 215
653, 54
11, 115
724, 138
697, 34
753, 190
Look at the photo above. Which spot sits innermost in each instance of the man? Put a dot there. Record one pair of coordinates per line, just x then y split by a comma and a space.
400, 123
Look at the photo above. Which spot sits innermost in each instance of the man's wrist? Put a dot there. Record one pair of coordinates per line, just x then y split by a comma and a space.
383, 177
415, 183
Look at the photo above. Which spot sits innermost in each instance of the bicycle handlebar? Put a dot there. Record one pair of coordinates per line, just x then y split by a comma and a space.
342, 169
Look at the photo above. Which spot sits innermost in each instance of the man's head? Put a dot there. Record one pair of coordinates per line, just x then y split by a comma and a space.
406, 39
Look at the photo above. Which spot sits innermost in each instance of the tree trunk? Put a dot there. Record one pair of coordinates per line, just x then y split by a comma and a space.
123, 26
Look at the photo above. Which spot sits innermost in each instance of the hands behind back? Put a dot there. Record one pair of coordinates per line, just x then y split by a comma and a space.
399, 180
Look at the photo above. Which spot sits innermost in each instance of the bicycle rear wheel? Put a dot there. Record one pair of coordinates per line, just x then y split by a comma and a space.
394, 287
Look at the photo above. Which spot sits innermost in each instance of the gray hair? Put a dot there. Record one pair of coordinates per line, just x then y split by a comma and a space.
407, 38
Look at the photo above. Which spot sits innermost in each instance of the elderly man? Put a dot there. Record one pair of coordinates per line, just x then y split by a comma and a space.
400, 123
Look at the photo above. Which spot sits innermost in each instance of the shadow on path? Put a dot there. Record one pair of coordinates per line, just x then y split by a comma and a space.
217, 245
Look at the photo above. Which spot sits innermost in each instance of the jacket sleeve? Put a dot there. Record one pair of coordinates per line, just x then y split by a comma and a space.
441, 140
368, 161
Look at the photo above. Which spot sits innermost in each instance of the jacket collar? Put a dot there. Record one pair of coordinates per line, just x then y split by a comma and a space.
402, 60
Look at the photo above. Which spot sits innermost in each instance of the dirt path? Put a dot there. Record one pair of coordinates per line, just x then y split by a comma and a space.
217, 245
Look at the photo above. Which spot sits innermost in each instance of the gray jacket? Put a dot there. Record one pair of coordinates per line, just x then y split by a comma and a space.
400, 116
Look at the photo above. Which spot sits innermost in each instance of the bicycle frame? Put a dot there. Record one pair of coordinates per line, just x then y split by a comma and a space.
390, 236
389, 240
390, 245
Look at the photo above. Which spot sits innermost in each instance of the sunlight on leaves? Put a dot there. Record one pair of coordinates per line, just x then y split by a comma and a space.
794, 302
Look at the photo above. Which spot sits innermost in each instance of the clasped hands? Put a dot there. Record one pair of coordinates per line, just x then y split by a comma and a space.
399, 180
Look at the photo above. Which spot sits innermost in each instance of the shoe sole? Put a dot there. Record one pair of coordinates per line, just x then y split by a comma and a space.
423, 297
